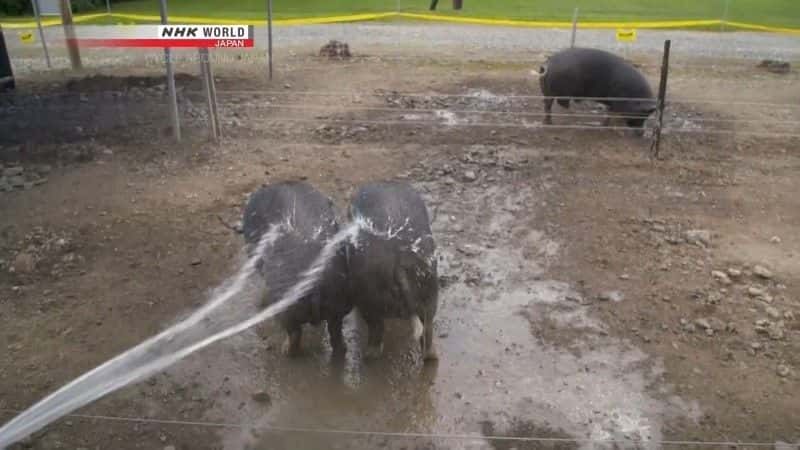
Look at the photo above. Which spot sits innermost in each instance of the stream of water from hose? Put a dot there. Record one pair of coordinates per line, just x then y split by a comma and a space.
202, 328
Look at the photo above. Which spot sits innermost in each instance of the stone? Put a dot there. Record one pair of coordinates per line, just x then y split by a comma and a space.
169, 447
775, 240
17, 181
262, 397
469, 250
776, 332
703, 323
734, 273
701, 237
783, 370
720, 276
762, 272
469, 175
12, 171
756, 291
776, 66
24, 263
613, 296
773, 313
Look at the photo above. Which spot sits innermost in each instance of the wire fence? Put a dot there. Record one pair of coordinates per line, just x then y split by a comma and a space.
417, 435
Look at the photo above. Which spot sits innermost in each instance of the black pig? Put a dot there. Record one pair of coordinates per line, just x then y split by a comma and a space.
308, 220
586, 72
392, 264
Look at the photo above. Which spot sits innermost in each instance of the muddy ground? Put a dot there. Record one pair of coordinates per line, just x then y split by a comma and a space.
589, 292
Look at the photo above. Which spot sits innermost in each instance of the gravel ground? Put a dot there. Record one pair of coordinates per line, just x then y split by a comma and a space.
400, 39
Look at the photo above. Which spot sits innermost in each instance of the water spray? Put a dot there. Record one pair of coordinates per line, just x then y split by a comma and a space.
169, 346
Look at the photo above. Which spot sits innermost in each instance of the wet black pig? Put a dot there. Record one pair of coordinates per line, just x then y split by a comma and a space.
392, 265
603, 76
307, 220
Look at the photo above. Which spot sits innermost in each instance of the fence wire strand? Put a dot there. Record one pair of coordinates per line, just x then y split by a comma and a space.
405, 435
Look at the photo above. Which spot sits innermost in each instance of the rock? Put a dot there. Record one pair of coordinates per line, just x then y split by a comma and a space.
703, 323
262, 397
614, 296
716, 324
700, 237
335, 49
17, 182
756, 345
773, 313
756, 291
734, 273
469, 250
470, 176
24, 263
762, 272
169, 447
775, 240
12, 171
783, 370
720, 276
788, 315
196, 262
775, 66
776, 332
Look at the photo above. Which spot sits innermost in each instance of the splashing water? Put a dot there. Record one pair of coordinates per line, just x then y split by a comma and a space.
173, 344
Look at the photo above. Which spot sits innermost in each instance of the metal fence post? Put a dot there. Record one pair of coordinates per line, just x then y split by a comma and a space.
662, 94
205, 71
173, 96
69, 33
35, 4
725, 15
574, 27
269, 35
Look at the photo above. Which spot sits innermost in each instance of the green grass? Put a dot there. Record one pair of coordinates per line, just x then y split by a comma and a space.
783, 13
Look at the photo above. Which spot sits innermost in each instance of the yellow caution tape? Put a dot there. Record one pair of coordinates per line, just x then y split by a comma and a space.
555, 24
300, 21
49, 22
431, 17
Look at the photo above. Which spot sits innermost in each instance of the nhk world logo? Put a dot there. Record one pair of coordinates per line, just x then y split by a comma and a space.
163, 36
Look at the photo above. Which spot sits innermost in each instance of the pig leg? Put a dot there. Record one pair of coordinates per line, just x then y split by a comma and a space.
548, 107
428, 349
291, 346
375, 339
335, 332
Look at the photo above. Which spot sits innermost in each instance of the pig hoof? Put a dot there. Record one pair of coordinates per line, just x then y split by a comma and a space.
431, 355
374, 352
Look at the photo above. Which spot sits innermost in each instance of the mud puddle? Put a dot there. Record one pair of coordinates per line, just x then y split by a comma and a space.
515, 348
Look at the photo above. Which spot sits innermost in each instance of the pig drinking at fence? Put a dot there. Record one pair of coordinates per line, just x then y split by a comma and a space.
602, 76
307, 220
392, 264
